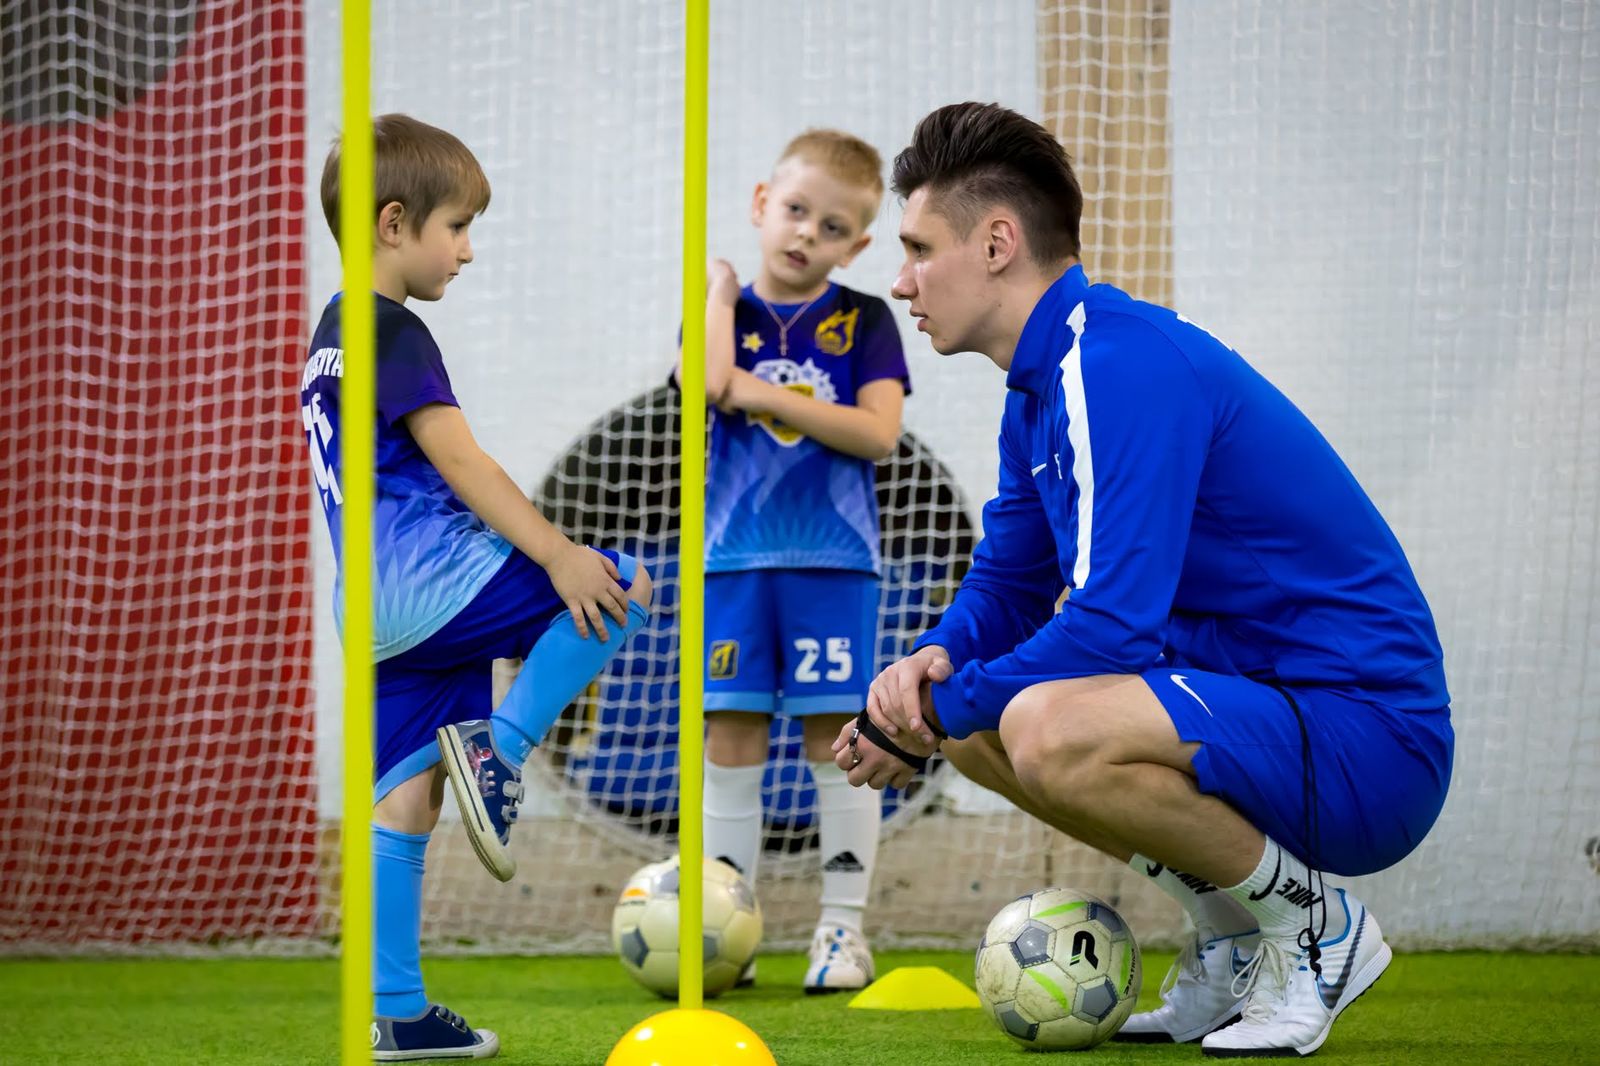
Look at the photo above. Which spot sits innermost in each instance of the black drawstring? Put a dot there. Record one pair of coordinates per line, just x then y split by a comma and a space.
1311, 936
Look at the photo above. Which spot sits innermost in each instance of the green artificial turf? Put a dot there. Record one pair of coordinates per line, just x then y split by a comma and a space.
1439, 1009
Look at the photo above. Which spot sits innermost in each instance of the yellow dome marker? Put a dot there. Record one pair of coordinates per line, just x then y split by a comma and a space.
681, 1037
916, 988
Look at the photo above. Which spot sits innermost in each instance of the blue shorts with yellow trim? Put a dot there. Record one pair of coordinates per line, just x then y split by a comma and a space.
797, 641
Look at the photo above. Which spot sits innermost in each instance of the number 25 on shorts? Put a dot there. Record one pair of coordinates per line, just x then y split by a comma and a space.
841, 664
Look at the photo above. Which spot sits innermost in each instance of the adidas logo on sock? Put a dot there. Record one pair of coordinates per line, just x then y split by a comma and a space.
843, 863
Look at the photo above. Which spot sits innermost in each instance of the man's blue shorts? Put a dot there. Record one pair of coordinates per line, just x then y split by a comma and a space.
799, 641
449, 677
1378, 775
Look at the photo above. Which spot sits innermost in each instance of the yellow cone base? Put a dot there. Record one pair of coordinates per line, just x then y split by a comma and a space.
690, 1038
916, 988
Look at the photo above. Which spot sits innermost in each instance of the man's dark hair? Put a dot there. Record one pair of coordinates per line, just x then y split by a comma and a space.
970, 156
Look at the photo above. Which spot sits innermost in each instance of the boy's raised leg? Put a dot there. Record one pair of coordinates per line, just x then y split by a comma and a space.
484, 757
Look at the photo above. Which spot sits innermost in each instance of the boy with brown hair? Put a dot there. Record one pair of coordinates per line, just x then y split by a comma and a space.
465, 570
809, 379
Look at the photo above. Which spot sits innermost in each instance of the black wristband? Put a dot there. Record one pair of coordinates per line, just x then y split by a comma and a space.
869, 729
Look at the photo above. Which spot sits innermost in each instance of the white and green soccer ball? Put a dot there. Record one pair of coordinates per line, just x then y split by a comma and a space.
1058, 970
644, 926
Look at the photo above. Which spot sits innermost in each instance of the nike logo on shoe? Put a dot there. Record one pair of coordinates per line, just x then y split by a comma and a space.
1330, 993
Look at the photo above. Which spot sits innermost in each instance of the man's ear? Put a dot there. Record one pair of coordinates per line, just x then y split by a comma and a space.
758, 202
1002, 242
391, 223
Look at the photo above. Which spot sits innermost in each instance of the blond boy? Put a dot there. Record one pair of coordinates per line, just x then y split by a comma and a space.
809, 378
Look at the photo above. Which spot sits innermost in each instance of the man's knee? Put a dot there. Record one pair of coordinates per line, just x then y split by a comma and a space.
1055, 746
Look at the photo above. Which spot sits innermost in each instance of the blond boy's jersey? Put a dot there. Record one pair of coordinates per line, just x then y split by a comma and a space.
775, 498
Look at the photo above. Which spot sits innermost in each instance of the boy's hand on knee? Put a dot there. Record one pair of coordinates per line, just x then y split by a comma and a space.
900, 700
588, 583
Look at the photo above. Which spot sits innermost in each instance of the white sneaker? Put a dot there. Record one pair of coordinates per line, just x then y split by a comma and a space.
747, 976
1288, 1009
1197, 994
840, 961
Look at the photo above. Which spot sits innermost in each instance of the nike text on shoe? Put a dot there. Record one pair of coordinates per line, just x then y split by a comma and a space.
487, 789
1197, 995
1289, 1007
840, 961
436, 1033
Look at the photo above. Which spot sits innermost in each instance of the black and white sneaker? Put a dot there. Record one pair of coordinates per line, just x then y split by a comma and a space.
487, 789
436, 1033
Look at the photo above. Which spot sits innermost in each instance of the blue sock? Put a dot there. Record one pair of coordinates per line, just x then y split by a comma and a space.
397, 921
556, 670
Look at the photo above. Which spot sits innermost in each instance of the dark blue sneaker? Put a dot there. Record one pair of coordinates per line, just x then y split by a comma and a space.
436, 1033
487, 790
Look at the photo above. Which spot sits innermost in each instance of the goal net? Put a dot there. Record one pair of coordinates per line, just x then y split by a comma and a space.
1388, 208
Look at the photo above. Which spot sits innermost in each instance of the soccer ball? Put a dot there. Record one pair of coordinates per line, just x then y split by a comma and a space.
1058, 970
644, 926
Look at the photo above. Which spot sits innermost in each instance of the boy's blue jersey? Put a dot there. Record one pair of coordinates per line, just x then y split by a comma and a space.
1196, 514
431, 554
775, 498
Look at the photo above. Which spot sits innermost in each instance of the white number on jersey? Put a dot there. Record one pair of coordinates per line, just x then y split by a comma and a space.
319, 434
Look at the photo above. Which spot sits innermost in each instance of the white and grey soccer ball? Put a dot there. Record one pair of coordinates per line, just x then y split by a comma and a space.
1058, 970
644, 926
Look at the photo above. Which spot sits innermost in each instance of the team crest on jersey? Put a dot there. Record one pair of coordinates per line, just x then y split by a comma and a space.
836, 334
808, 379
724, 660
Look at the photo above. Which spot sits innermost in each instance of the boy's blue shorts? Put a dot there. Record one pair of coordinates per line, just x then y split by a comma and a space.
449, 677
799, 641
1378, 775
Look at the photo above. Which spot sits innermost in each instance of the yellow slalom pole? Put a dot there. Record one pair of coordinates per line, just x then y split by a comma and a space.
691, 530
356, 480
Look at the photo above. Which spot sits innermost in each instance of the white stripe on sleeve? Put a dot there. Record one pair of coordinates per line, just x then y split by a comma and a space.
1078, 437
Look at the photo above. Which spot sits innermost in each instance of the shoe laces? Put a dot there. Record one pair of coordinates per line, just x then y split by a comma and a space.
1187, 965
838, 938
513, 792
1264, 981
450, 1017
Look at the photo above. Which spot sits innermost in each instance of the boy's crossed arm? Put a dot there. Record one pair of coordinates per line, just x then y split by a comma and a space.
869, 430
586, 580
722, 294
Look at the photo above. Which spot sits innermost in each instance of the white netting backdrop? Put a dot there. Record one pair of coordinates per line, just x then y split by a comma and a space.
1390, 208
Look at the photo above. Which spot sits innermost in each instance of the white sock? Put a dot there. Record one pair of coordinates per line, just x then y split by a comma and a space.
1286, 897
847, 822
1214, 913
733, 816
